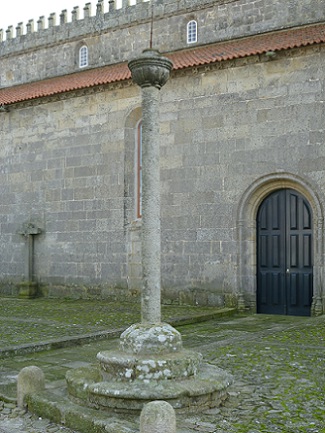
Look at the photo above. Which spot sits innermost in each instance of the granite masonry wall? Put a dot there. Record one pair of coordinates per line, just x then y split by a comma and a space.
122, 34
230, 134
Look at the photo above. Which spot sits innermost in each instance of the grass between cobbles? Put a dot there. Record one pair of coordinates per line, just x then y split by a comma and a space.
287, 387
278, 362
25, 321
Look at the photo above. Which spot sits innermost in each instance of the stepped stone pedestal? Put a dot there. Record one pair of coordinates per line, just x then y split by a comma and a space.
150, 362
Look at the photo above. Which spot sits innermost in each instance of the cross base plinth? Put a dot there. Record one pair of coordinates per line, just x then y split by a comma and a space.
205, 390
150, 364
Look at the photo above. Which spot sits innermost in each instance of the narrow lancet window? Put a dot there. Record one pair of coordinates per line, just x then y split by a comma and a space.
83, 56
191, 32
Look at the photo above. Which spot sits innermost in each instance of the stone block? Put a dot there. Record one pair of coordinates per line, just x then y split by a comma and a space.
158, 417
28, 289
222, 129
30, 380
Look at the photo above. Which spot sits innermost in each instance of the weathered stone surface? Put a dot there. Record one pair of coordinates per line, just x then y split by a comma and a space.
231, 132
151, 72
152, 354
30, 380
168, 366
150, 69
286, 395
158, 417
208, 388
142, 339
131, 27
78, 380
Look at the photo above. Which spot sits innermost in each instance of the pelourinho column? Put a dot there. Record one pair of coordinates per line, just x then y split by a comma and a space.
150, 362
150, 71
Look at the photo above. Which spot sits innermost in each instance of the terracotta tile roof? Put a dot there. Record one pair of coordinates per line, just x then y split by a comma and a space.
66, 83
259, 44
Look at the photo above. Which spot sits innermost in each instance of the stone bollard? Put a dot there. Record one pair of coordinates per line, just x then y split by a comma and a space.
30, 380
158, 417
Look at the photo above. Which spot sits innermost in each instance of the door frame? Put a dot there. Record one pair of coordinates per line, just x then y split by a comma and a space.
247, 236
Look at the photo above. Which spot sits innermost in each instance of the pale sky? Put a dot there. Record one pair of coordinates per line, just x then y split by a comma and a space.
13, 12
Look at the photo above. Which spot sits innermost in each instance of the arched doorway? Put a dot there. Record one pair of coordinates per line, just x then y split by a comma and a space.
284, 254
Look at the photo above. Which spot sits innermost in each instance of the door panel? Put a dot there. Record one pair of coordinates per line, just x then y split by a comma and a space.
284, 254
299, 254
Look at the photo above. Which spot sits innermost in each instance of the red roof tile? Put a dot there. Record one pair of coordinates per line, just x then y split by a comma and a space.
66, 83
259, 44
253, 45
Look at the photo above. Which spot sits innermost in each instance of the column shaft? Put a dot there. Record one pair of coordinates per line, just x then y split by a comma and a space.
150, 240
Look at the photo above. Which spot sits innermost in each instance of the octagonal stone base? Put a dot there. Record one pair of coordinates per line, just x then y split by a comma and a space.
205, 390
127, 368
150, 364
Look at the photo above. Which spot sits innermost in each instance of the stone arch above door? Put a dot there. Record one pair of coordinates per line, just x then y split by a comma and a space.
246, 223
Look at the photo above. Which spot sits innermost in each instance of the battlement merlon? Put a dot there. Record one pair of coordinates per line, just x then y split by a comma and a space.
218, 20
262, 16
131, 11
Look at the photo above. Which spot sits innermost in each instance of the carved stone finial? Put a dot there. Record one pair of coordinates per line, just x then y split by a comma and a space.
150, 69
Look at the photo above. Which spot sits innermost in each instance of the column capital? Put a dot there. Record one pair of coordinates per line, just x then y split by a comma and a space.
151, 69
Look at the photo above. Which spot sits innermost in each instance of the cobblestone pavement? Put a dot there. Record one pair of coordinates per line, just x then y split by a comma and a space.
278, 363
14, 420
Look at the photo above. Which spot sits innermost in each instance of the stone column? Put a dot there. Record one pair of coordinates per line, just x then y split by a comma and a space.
150, 363
150, 72
28, 288
29, 230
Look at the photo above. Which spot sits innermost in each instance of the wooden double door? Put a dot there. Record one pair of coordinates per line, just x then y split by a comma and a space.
284, 254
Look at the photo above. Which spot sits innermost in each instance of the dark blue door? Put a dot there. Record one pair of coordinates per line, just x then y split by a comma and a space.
284, 254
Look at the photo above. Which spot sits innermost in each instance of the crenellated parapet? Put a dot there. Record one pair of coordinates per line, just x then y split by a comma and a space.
105, 16
115, 31
112, 14
63, 19
56, 24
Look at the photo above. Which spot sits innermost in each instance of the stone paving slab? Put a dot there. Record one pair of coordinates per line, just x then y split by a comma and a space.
278, 363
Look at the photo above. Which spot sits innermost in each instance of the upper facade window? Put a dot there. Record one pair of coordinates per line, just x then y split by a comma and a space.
191, 32
83, 56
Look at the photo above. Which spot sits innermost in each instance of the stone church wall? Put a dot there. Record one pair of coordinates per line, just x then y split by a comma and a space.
221, 129
65, 174
229, 132
228, 128
121, 34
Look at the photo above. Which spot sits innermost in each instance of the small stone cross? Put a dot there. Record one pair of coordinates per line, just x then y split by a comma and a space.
29, 230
